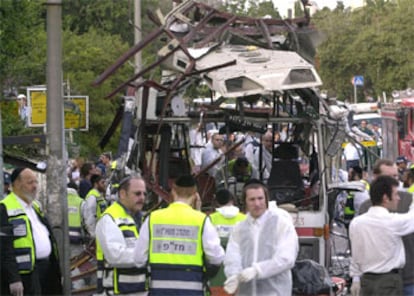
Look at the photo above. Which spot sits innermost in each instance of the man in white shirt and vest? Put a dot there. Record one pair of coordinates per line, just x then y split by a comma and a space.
179, 244
116, 234
95, 204
32, 262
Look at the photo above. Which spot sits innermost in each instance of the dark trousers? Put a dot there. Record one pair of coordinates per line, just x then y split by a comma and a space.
386, 284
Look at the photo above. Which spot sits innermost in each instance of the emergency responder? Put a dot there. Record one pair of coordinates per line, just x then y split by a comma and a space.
355, 199
226, 215
76, 229
77, 236
224, 219
179, 243
33, 263
116, 233
262, 249
95, 204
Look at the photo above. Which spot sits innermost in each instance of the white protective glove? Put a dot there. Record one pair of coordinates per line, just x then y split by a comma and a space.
231, 284
248, 274
355, 288
16, 289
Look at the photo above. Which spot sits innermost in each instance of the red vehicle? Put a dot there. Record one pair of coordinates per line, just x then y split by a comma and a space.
398, 126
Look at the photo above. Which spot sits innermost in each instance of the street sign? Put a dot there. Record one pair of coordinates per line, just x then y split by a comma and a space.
358, 80
76, 110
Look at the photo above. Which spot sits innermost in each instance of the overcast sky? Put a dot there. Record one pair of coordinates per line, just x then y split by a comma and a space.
283, 5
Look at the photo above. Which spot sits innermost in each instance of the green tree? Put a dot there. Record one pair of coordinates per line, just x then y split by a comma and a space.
373, 41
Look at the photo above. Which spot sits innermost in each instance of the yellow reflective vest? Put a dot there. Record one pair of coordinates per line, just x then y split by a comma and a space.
225, 225
116, 280
23, 242
176, 250
101, 204
76, 233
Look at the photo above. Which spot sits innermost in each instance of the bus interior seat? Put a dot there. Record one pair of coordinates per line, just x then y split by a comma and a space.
285, 182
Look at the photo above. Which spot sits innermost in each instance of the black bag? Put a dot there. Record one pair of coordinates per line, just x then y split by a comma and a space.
310, 278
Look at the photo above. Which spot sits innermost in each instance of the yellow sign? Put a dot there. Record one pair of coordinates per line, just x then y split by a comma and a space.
76, 110
363, 143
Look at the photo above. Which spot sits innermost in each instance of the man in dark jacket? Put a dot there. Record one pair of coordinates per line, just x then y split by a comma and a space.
29, 258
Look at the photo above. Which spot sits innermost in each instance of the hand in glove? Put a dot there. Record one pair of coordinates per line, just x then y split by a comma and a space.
16, 289
355, 288
231, 284
248, 274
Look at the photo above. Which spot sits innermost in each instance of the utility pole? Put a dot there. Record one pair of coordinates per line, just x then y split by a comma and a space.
57, 205
137, 33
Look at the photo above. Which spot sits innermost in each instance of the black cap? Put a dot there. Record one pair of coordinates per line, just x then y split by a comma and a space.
242, 161
6, 178
223, 196
185, 181
253, 181
401, 159
15, 174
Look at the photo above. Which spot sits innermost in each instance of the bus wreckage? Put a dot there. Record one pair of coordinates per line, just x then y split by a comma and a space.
264, 68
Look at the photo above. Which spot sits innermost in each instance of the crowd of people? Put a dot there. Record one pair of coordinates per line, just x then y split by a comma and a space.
180, 250
181, 246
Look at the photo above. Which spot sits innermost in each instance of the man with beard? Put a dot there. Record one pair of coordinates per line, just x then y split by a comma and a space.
116, 233
95, 204
30, 265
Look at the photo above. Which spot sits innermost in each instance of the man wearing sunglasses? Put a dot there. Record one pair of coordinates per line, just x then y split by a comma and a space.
116, 233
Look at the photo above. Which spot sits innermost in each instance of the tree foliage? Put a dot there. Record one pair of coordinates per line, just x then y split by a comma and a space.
375, 41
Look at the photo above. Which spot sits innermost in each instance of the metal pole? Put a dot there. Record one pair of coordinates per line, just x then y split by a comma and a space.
137, 34
57, 206
355, 93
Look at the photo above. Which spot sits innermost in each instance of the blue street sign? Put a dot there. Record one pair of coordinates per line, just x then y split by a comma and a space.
358, 80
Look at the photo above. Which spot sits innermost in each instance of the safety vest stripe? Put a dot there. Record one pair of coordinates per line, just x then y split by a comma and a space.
128, 278
179, 273
74, 233
21, 259
182, 285
15, 212
108, 279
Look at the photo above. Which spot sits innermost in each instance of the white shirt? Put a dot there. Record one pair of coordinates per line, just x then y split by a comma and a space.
43, 246
208, 156
118, 252
89, 214
376, 240
211, 245
351, 152
267, 161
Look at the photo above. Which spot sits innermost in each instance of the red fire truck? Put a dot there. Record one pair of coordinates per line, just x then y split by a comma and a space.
398, 126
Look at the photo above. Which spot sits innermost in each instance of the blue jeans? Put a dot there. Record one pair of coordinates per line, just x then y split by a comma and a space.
408, 290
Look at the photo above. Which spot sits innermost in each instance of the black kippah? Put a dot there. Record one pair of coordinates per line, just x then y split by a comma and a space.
15, 174
223, 196
253, 181
185, 181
